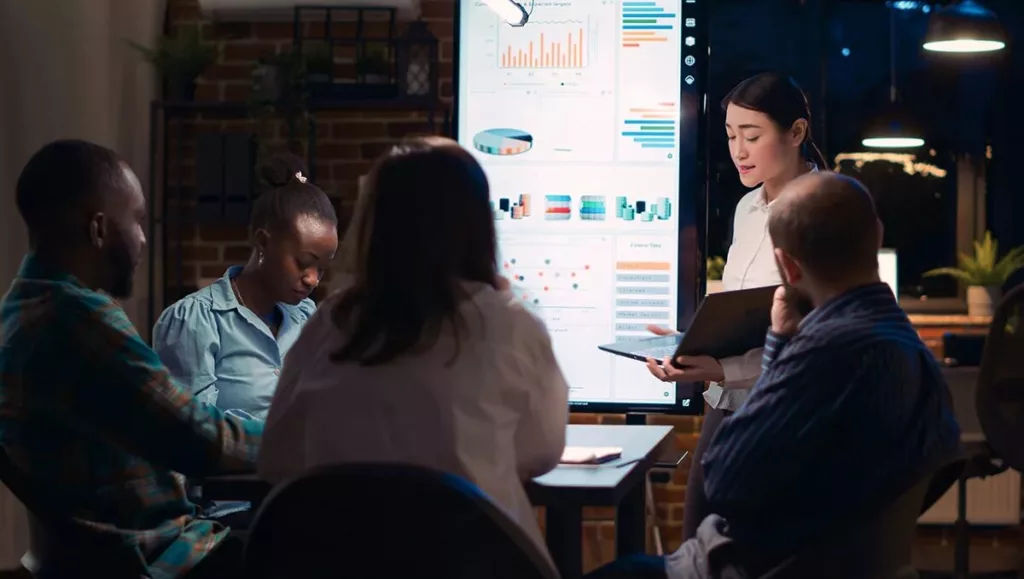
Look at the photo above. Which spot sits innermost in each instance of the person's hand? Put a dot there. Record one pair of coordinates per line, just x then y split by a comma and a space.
691, 369
660, 331
501, 283
785, 317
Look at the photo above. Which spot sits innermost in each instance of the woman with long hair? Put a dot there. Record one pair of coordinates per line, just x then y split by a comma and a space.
423, 357
226, 342
768, 123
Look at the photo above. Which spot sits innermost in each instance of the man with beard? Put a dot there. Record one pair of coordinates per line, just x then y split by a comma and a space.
851, 410
88, 415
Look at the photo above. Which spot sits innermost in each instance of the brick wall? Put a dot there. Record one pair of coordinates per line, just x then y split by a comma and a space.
347, 141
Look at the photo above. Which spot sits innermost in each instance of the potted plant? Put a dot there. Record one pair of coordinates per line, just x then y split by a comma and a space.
373, 66
715, 268
278, 78
180, 60
984, 274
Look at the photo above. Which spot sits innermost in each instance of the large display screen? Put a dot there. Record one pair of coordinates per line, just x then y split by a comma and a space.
586, 122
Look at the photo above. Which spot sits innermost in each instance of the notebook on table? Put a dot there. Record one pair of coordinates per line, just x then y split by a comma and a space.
590, 454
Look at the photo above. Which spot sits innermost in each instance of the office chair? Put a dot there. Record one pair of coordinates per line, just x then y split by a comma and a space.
876, 547
60, 547
1000, 394
380, 521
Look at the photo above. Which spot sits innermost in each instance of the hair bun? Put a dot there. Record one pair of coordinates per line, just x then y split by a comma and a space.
279, 170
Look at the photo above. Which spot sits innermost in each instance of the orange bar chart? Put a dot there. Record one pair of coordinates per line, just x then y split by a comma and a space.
637, 38
546, 51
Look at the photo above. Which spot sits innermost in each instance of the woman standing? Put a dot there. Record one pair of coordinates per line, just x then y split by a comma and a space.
767, 120
226, 343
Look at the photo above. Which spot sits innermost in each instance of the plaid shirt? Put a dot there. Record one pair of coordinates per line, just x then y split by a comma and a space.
90, 415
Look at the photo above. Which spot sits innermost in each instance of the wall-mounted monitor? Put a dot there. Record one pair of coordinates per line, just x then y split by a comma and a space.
588, 122
887, 269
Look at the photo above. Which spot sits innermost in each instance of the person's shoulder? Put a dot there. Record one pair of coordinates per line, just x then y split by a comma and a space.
857, 338
82, 309
195, 307
750, 199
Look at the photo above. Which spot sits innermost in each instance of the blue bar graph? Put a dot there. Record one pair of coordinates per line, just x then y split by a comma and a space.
652, 127
639, 19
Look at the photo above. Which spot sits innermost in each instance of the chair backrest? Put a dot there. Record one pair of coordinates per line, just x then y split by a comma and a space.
60, 546
376, 521
878, 547
1000, 395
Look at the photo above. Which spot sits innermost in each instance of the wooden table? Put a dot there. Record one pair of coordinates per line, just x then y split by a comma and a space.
563, 492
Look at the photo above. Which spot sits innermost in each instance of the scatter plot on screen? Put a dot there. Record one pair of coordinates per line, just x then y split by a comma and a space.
550, 281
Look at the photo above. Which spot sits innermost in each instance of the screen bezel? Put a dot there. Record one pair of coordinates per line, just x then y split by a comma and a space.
691, 201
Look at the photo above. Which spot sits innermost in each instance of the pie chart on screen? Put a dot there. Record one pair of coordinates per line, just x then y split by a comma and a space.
503, 142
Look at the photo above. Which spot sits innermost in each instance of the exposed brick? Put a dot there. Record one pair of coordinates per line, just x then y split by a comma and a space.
446, 50
443, 29
374, 150
208, 271
194, 253
184, 11
349, 171
223, 233
231, 30
358, 131
272, 30
431, 9
579, 418
233, 72
664, 494
599, 513
248, 52
237, 253
337, 150
669, 512
236, 91
399, 130
207, 91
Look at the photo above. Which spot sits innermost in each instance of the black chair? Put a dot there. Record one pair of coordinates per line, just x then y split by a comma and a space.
1000, 395
875, 547
61, 547
381, 521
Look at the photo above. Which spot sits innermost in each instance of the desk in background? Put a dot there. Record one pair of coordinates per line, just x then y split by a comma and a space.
931, 328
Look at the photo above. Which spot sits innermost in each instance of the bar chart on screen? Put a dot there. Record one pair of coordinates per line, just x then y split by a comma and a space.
648, 132
647, 24
545, 44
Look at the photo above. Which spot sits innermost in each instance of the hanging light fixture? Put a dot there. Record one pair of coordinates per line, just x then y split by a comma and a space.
510, 11
964, 27
893, 128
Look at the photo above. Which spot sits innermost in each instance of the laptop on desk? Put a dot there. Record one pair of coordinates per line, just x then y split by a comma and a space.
726, 324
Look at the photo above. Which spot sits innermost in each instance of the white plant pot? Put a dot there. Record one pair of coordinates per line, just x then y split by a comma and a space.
982, 300
714, 286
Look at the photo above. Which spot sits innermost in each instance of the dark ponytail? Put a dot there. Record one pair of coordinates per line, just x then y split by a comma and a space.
783, 101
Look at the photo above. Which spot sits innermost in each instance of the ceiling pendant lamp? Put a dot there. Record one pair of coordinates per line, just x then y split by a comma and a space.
510, 11
893, 128
964, 27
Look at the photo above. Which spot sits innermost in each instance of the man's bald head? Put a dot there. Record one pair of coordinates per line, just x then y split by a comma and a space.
827, 222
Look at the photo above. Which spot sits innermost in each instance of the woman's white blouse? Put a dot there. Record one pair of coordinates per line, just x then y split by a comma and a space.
495, 413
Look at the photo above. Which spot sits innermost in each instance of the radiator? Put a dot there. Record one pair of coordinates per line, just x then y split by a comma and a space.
990, 501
